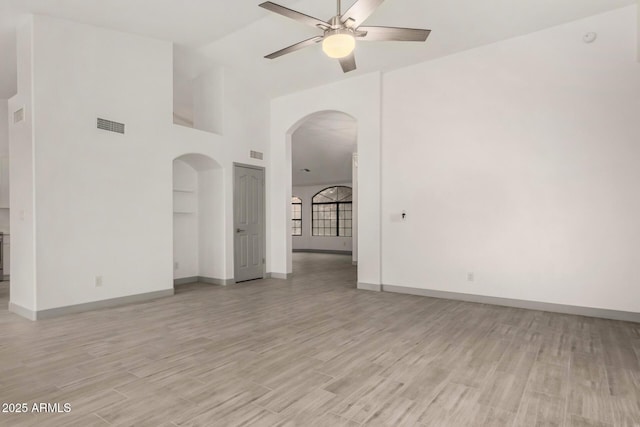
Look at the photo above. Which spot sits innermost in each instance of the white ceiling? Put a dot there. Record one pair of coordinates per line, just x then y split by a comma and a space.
189, 23
239, 33
456, 26
324, 144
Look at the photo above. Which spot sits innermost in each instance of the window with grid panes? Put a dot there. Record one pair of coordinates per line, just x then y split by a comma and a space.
296, 216
331, 212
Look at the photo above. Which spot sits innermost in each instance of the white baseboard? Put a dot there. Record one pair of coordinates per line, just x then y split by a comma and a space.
369, 287
282, 276
21, 311
203, 279
214, 281
508, 302
185, 280
89, 306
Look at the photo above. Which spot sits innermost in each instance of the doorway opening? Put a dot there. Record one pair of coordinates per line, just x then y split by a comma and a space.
198, 220
324, 189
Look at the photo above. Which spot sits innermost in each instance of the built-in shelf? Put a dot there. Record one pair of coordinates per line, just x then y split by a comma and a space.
185, 200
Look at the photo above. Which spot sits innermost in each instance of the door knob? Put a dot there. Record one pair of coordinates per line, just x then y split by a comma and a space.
239, 230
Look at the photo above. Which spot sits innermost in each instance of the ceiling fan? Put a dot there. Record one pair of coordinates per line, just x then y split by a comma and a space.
342, 31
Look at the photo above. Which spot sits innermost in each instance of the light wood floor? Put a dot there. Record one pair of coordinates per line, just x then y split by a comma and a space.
313, 350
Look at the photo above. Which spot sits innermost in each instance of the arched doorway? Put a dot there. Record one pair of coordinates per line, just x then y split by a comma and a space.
323, 153
198, 220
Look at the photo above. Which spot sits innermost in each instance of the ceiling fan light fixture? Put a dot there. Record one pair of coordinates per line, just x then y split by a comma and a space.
341, 31
338, 44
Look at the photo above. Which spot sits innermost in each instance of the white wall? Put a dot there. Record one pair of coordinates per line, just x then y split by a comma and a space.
4, 160
246, 127
208, 100
21, 171
514, 161
4, 127
104, 201
246, 119
102, 208
307, 241
4, 157
183, 99
212, 257
6, 248
518, 162
4, 183
360, 98
354, 178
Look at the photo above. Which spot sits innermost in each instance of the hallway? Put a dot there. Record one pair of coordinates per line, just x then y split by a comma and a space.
313, 350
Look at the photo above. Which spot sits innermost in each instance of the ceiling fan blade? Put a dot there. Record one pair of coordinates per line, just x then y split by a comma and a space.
295, 15
360, 11
348, 63
375, 34
294, 47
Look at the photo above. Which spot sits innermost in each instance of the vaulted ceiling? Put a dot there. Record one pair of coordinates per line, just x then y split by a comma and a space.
238, 34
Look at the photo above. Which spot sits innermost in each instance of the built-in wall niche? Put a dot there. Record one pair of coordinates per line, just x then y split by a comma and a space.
184, 201
198, 218
185, 189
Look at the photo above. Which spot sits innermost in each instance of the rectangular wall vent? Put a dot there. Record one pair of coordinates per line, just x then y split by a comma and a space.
255, 155
18, 116
110, 126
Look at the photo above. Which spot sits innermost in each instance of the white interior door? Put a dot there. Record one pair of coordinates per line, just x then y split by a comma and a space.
249, 230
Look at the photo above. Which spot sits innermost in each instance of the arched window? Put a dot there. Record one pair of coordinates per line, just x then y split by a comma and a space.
331, 212
296, 216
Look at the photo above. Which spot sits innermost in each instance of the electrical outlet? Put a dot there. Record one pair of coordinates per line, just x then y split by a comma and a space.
470, 277
98, 281
176, 265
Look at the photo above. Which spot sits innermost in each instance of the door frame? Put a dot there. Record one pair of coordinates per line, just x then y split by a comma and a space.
264, 216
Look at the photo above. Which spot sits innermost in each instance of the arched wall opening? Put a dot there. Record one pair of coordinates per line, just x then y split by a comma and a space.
360, 97
324, 156
198, 220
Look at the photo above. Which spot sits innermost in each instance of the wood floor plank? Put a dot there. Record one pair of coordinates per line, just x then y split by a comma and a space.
539, 409
367, 399
397, 412
504, 391
626, 411
591, 405
313, 350
454, 405
292, 391
578, 421
549, 379
588, 372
